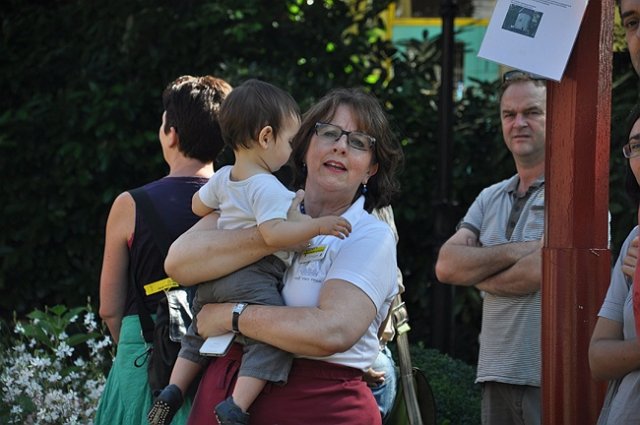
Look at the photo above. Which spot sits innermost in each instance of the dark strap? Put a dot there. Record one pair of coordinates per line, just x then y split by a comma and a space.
161, 234
400, 319
162, 241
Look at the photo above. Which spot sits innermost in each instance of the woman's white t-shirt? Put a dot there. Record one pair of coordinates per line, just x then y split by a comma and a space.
366, 259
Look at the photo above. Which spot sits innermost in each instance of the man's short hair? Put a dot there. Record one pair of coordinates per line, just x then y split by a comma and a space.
517, 76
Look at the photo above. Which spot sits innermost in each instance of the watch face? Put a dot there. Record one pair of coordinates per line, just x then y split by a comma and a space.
237, 311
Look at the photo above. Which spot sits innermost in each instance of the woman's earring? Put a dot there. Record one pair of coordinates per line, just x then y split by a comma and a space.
364, 188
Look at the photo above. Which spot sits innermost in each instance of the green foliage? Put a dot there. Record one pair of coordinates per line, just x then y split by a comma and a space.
53, 369
479, 159
81, 105
456, 395
619, 43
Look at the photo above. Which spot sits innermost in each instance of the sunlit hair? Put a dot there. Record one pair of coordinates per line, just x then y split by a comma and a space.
250, 107
631, 183
369, 118
192, 105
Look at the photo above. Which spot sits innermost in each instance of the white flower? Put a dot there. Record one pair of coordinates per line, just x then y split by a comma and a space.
40, 362
43, 384
64, 350
54, 377
90, 322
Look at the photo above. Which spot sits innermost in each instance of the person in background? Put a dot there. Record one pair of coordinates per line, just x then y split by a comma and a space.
382, 376
497, 249
630, 17
258, 121
614, 352
190, 140
337, 294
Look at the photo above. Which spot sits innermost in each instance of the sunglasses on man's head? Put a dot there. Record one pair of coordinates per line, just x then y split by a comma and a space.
516, 74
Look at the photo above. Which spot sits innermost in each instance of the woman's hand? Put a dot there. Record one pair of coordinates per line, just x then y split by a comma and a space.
631, 258
343, 315
215, 319
373, 378
294, 214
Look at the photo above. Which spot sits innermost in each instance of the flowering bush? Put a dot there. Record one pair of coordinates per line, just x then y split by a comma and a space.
53, 371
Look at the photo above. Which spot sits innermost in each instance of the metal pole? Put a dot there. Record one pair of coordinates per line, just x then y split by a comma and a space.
443, 294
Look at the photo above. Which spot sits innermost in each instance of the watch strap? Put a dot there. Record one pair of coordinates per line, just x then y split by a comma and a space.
237, 311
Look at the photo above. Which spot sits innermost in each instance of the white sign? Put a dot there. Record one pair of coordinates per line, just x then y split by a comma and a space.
533, 35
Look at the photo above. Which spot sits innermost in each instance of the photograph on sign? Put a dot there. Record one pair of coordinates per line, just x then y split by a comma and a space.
533, 35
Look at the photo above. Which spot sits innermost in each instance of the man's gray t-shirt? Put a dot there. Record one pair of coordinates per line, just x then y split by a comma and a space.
510, 333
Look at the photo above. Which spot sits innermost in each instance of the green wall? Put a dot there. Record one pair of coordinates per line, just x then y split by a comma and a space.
471, 35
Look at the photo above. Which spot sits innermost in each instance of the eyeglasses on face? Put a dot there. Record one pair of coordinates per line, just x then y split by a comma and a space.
516, 74
355, 139
631, 149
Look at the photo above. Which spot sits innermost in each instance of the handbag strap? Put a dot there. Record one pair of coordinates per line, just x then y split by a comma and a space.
400, 319
162, 241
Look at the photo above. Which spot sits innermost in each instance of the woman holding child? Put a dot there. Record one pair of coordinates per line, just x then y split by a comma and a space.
337, 291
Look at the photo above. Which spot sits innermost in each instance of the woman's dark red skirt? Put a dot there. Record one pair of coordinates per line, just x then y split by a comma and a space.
317, 393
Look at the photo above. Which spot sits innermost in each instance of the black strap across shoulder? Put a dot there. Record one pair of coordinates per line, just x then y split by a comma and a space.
163, 242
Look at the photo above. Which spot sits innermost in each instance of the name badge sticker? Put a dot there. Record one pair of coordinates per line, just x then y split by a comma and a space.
160, 285
315, 253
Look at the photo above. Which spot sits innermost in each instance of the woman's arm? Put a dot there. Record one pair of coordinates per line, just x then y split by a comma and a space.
343, 315
115, 264
204, 252
610, 356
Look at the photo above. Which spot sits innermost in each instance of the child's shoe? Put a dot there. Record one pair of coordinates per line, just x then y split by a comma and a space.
229, 413
165, 406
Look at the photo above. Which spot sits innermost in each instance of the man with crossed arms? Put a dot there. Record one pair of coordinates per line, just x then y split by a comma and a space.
497, 249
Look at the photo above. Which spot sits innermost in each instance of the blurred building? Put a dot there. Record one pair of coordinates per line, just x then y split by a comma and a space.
418, 18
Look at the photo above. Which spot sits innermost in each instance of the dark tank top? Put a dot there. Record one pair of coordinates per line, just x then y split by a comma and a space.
171, 198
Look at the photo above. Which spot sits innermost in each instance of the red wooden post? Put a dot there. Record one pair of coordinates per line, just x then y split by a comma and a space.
576, 258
